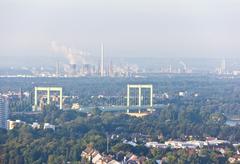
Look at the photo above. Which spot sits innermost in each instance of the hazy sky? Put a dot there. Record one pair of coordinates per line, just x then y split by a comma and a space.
160, 28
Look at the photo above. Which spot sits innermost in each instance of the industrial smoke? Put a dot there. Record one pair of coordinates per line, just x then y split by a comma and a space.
74, 56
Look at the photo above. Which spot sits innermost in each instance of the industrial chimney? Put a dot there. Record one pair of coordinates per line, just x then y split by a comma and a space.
102, 61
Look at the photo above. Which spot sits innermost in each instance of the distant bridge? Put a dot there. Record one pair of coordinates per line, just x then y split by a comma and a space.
103, 108
139, 97
122, 108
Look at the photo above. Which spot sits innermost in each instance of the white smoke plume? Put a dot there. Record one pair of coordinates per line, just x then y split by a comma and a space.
74, 56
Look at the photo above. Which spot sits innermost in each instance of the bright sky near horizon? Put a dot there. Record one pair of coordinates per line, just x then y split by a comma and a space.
133, 28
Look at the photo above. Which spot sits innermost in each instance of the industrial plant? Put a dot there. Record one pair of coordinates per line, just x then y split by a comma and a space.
81, 63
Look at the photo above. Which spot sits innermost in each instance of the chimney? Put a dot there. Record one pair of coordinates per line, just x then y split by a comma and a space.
102, 61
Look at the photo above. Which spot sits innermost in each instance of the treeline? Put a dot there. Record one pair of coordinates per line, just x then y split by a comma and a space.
75, 130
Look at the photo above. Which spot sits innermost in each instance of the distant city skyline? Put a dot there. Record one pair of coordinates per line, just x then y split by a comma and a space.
147, 28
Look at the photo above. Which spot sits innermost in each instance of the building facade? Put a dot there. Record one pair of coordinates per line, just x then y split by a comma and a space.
3, 112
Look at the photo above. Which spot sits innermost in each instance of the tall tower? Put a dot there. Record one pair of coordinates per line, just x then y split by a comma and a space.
102, 61
3, 112
223, 66
57, 68
170, 68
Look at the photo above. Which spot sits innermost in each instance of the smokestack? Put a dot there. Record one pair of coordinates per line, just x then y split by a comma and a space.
57, 68
102, 61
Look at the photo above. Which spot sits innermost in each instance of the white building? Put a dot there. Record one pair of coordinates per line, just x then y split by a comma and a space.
184, 144
130, 143
182, 94
36, 125
48, 126
217, 142
156, 145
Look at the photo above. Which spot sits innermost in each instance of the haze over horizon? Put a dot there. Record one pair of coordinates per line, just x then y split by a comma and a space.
147, 28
